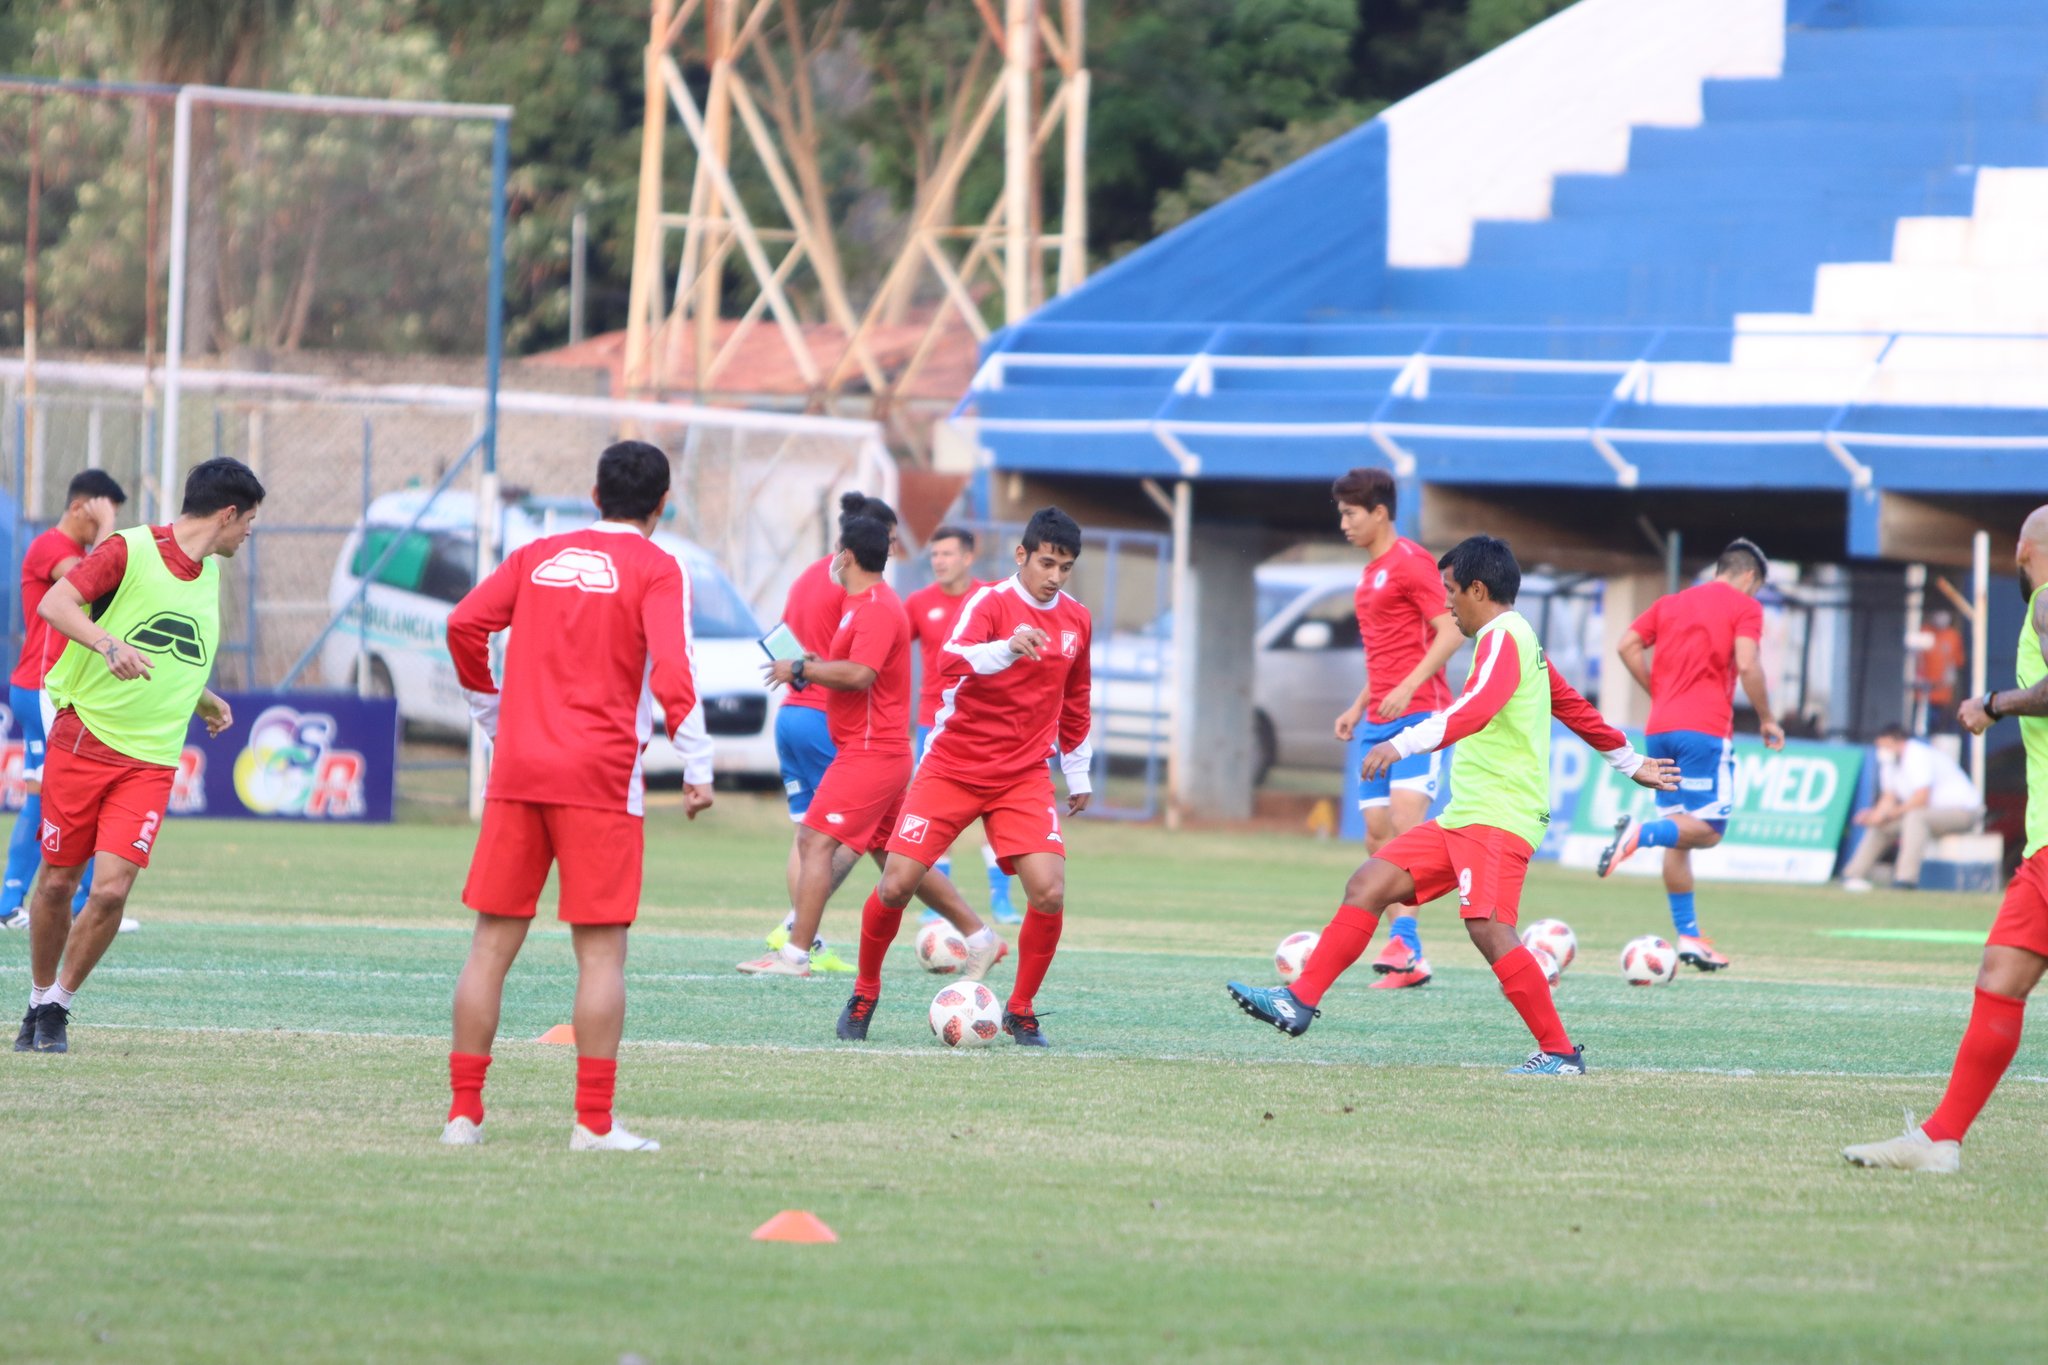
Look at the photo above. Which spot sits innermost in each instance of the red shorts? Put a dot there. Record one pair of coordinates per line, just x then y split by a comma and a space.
858, 799
93, 806
1484, 865
597, 850
2023, 915
1019, 819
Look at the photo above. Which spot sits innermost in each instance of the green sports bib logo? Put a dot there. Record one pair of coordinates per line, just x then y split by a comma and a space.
172, 633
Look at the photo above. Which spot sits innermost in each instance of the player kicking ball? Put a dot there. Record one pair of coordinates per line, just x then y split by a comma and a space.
865, 676
1016, 676
124, 692
1701, 641
1480, 846
599, 615
2016, 951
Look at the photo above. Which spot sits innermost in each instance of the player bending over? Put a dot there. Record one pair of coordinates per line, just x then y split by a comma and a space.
803, 737
1016, 695
124, 690
89, 513
1702, 639
1480, 846
934, 610
865, 676
599, 615
2016, 951
1408, 635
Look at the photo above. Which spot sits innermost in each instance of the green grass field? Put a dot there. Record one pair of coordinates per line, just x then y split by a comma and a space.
237, 1160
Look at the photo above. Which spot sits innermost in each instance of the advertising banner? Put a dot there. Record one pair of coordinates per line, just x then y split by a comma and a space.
327, 757
1791, 808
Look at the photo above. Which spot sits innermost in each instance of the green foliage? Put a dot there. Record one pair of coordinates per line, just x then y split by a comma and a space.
1259, 152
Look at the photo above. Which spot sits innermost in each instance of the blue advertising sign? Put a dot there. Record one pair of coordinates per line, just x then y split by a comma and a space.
329, 757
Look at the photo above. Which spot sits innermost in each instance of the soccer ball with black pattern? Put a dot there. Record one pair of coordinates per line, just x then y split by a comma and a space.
1555, 937
966, 1014
940, 948
1648, 961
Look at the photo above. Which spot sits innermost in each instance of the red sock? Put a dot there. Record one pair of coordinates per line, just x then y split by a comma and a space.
1987, 1050
466, 1080
878, 926
1036, 942
1528, 990
595, 1079
1344, 941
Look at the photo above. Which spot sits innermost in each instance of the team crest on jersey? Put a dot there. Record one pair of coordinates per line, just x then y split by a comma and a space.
582, 569
911, 831
1070, 640
1379, 580
935, 613
52, 837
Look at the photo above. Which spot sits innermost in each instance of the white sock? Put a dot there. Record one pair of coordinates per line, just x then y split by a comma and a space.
988, 857
981, 938
789, 921
817, 945
57, 995
37, 994
795, 956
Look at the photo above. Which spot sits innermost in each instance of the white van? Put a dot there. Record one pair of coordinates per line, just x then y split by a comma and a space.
399, 626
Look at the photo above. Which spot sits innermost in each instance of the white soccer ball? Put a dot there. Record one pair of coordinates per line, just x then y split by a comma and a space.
1648, 961
1545, 961
1292, 955
965, 1014
940, 948
1555, 937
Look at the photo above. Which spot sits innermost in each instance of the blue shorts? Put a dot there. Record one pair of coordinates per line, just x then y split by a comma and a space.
803, 746
27, 706
1419, 774
1706, 773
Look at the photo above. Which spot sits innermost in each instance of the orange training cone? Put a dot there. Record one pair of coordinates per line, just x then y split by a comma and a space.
560, 1033
795, 1225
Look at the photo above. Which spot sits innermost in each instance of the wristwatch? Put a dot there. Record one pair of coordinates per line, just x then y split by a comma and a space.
796, 673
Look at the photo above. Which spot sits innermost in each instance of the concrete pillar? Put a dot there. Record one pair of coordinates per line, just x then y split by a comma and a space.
1627, 595
1213, 754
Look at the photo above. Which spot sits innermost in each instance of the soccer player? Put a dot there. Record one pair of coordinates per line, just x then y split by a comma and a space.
142, 614
933, 610
803, 737
600, 615
1480, 845
1016, 676
1703, 639
865, 674
88, 519
1408, 635
2016, 950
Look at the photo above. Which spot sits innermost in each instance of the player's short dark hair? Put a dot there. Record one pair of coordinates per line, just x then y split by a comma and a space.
1743, 556
952, 532
1892, 731
218, 484
94, 483
632, 478
1367, 488
1051, 526
1484, 559
867, 540
861, 505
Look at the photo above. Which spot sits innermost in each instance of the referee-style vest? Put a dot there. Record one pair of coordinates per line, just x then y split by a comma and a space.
176, 626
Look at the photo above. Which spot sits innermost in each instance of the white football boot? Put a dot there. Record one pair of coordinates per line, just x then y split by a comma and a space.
980, 960
462, 1132
1912, 1150
581, 1139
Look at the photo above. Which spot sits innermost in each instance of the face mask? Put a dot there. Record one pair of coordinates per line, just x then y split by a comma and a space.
838, 572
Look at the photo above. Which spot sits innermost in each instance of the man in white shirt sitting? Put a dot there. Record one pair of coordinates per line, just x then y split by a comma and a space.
1921, 793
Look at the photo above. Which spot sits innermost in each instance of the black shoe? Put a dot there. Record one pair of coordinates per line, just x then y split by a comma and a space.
853, 1020
25, 1041
50, 1022
1024, 1028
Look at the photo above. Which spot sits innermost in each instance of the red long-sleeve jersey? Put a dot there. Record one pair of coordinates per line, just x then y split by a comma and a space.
600, 621
1496, 669
1002, 715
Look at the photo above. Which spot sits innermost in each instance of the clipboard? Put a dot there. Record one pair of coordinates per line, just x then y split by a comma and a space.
780, 644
